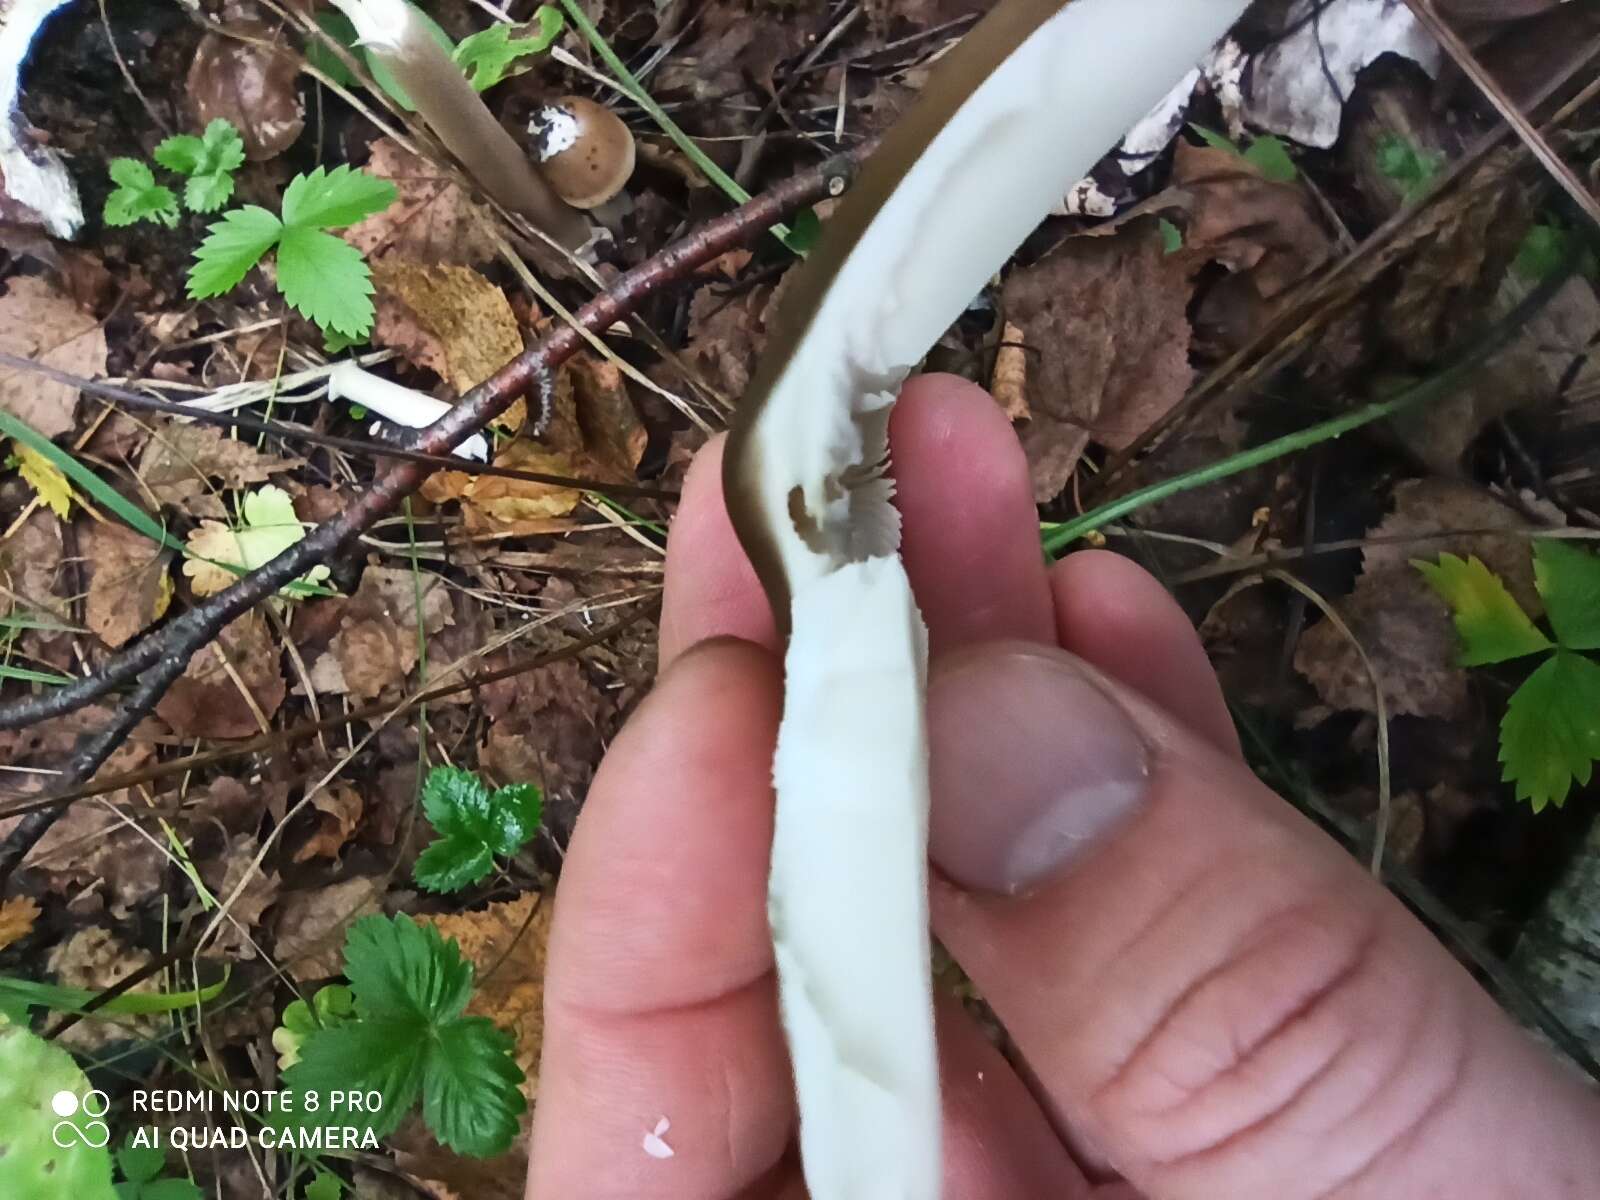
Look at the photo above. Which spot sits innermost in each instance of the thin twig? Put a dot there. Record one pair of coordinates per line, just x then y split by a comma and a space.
1536, 142
281, 429
1285, 336
158, 659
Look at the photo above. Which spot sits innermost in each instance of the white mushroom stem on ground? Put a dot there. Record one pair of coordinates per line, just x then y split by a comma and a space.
457, 115
397, 403
1006, 123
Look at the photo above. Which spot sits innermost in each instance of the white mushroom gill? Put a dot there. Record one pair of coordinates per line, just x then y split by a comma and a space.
1006, 124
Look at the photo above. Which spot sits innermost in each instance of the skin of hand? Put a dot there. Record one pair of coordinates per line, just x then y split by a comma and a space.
1209, 998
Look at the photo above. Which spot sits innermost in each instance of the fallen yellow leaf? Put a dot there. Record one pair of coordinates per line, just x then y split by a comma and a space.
45, 478
17, 916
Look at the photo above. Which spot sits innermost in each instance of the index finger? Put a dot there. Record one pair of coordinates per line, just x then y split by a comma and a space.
970, 539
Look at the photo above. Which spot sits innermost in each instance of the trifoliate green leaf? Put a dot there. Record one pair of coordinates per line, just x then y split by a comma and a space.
233, 245
324, 1187
333, 199
326, 279
138, 197
496, 52
207, 193
1550, 736
219, 149
1491, 623
474, 825
139, 1164
1568, 579
409, 1040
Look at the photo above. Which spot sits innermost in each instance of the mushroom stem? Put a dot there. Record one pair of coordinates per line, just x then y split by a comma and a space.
398, 403
1006, 123
459, 118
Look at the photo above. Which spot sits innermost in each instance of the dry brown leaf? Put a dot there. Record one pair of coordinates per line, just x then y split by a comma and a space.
224, 875
376, 646
94, 959
30, 561
181, 459
339, 808
1404, 627
1104, 322
594, 432
310, 925
549, 727
1268, 235
1461, 247
251, 84
129, 585
448, 319
17, 916
726, 332
206, 702
38, 322
430, 221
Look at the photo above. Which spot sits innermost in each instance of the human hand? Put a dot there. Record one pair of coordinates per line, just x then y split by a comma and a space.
1211, 999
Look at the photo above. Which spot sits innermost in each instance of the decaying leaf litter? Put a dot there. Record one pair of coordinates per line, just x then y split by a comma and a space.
1328, 213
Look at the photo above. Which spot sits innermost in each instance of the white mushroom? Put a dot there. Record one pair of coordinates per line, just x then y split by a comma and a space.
397, 403
1006, 123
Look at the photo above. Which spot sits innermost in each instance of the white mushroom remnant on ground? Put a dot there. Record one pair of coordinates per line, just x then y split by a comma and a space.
1006, 123
398, 403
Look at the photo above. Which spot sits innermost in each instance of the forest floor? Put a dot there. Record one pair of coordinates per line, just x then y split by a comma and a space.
1334, 212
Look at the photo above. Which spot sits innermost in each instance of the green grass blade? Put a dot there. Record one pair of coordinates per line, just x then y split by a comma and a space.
93, 486
635, 91
29, 994
25, 675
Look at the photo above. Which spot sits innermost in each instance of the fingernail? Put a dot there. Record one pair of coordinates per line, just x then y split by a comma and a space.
1031, 765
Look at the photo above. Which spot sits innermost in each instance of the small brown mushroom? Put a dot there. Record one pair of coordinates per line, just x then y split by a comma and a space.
250, 83
585, 152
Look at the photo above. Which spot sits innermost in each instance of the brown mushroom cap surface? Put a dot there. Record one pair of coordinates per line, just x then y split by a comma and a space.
585, 152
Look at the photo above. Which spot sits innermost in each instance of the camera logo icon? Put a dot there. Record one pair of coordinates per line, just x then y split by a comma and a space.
80, 1123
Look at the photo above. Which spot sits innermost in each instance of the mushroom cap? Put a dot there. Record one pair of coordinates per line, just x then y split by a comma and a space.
585, 151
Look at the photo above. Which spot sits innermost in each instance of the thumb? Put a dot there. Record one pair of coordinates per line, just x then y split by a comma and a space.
1207, 989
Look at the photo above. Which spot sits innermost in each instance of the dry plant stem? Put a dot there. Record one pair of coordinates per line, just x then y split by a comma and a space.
310, 729
158, 659
1474, 70
1290, 333
292, 433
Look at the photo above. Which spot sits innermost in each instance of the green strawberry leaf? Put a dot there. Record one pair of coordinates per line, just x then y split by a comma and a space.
1491, 623
138, 197
475, 825
232, 246
1568, 579
325, 279
1550, 736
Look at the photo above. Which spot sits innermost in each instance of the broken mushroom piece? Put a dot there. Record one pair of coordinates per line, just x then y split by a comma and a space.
585, 151
1005, 124
398, 403
459, 118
